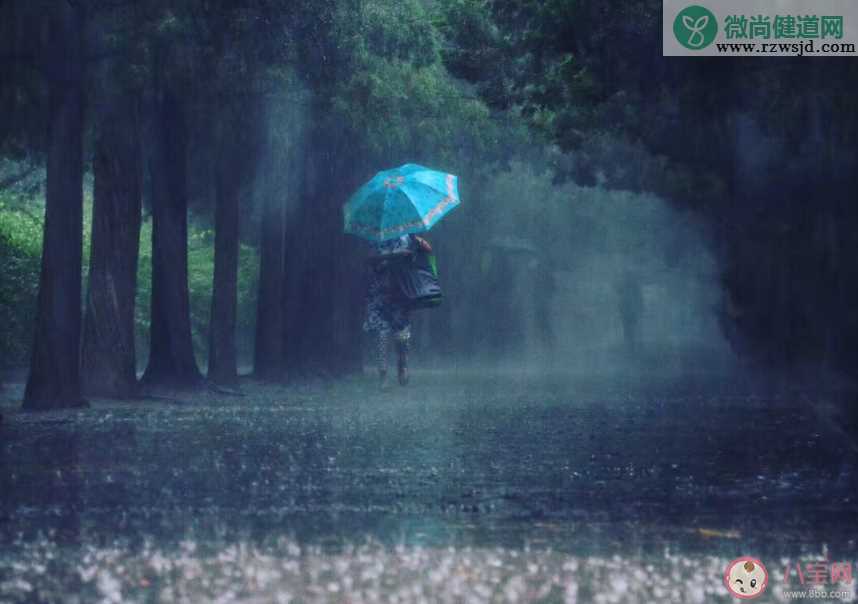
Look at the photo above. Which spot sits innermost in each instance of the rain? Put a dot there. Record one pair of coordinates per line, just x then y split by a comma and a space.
424, 301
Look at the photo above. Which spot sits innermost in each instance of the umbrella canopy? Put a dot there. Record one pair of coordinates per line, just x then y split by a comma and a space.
408, 199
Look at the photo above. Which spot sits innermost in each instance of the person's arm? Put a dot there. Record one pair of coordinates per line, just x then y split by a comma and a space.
423, 244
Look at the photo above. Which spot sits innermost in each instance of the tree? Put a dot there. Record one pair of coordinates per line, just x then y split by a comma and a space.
380, 98
242, 52
269, 352
224, 51
756, 151
233, 157
108, 356
322, 265
171, 352
54, 379
109, 365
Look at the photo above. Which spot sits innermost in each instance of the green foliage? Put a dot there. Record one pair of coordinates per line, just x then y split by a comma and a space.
397, 108
383, 83
21, 227
200, 276
21, 230
142, 315
20, 254
399, 31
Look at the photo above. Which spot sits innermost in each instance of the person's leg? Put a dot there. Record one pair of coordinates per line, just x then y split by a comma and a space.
382, 337
403, 343
377, 322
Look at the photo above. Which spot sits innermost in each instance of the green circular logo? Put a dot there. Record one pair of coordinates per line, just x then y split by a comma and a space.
695, 27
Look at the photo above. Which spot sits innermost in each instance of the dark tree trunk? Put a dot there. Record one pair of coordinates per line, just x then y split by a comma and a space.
324, 290
108, 364
269, 345
171, 351
349, 252
349, 310
308, 267
222, 352
54, 379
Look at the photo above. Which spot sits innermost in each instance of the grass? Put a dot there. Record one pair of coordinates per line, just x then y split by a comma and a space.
21, 227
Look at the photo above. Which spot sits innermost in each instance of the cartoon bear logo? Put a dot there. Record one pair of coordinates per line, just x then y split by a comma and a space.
746, 578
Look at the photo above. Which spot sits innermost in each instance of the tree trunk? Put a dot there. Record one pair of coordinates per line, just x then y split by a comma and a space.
308, 260
223, 366
269, 346
54, 379
171, 352
349, 253
324, 291
108, 364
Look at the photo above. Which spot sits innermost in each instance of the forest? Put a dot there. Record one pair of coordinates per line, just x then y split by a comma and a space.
172, 184
213, 143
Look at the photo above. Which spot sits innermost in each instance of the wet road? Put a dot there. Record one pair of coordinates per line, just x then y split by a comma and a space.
458, 488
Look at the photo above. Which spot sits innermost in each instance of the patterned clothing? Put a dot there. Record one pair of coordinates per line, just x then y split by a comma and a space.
384, 314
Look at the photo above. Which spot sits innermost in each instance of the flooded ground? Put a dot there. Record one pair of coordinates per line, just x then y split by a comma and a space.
460, 488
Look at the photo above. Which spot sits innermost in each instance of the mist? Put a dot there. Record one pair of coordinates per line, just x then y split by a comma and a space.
423, 301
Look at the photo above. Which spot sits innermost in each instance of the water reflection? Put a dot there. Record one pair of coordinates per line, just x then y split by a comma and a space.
288, 570
41, 476
475, 478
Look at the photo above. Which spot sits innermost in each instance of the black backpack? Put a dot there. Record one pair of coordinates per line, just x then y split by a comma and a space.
415, 281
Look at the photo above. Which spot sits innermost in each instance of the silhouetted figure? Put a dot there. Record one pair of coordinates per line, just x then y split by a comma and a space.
387, 314
630, 302
543, 299
498, 321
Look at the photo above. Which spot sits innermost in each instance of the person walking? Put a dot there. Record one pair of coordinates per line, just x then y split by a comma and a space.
387, 211
387, 315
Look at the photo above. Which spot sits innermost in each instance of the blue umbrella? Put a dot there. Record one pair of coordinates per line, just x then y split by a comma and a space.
408, 199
